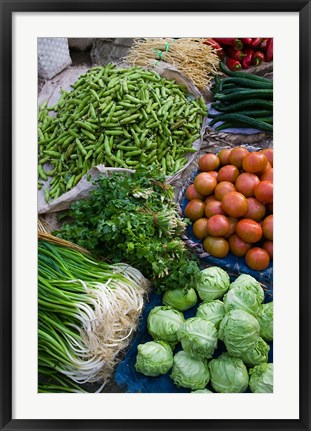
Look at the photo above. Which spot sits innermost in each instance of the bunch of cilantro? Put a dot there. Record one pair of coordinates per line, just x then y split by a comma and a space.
133, 218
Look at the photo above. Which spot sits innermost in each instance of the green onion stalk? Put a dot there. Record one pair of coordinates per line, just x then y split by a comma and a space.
87, 311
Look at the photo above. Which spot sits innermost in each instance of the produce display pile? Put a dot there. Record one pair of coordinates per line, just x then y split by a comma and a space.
243, 52
222, 348
119, 117
134, 218
242, 100
231, 205
87, 311
123, 239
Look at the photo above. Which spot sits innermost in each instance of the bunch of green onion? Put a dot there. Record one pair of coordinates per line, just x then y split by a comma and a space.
87, 311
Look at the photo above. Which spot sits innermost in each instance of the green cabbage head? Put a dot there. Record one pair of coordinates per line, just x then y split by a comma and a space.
198, 337
213, 283
189, 371
261, 378
228, 374
154, 358
202, 391
242, 298
258, 355
180, 299
239, 331
164, 322
265, 319
213, 311
245, 280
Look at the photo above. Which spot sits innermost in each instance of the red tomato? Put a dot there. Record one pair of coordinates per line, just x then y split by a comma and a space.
216, 246
210, 198
237, 246
191, 193
236, 156
267, 175
199, 228
268, 246
254, 162
205, 183
268, 152
246, 183
223, 156
268, 166
228, 173
213, 207
234, 204
218, 225
264, 192
267, 227
208, 162
194, 209
256, 210
214, 173
257, 258
232, 221
249, 230
222, 189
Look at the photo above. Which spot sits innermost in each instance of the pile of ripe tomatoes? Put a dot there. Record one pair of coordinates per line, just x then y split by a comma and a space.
231, 205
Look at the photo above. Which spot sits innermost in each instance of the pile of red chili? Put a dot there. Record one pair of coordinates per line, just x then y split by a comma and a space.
243, 52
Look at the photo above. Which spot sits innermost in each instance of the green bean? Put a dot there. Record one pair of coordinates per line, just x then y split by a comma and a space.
85, 125
114, 132
46, 194
90, 147
132, 163
126, 147
119, 161
130, 119
132, 153
107, 146
77, 179
44, 160
89, 154
88, 134
80, 146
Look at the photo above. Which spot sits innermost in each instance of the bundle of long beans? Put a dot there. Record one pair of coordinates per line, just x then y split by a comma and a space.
197, 60
86, 314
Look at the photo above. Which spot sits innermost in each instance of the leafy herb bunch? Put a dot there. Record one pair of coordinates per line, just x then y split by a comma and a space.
133, 218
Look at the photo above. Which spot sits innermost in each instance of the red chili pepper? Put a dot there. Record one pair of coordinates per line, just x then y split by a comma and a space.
247, 60
263, 44
247, 40
269, 50
233, 64
233, 53
236, 43
258, 58
256, 42
216, 46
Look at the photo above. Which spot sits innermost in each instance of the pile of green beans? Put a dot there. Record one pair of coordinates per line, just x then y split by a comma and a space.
119, 117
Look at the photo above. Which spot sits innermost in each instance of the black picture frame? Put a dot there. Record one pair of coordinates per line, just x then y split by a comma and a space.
7, 9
